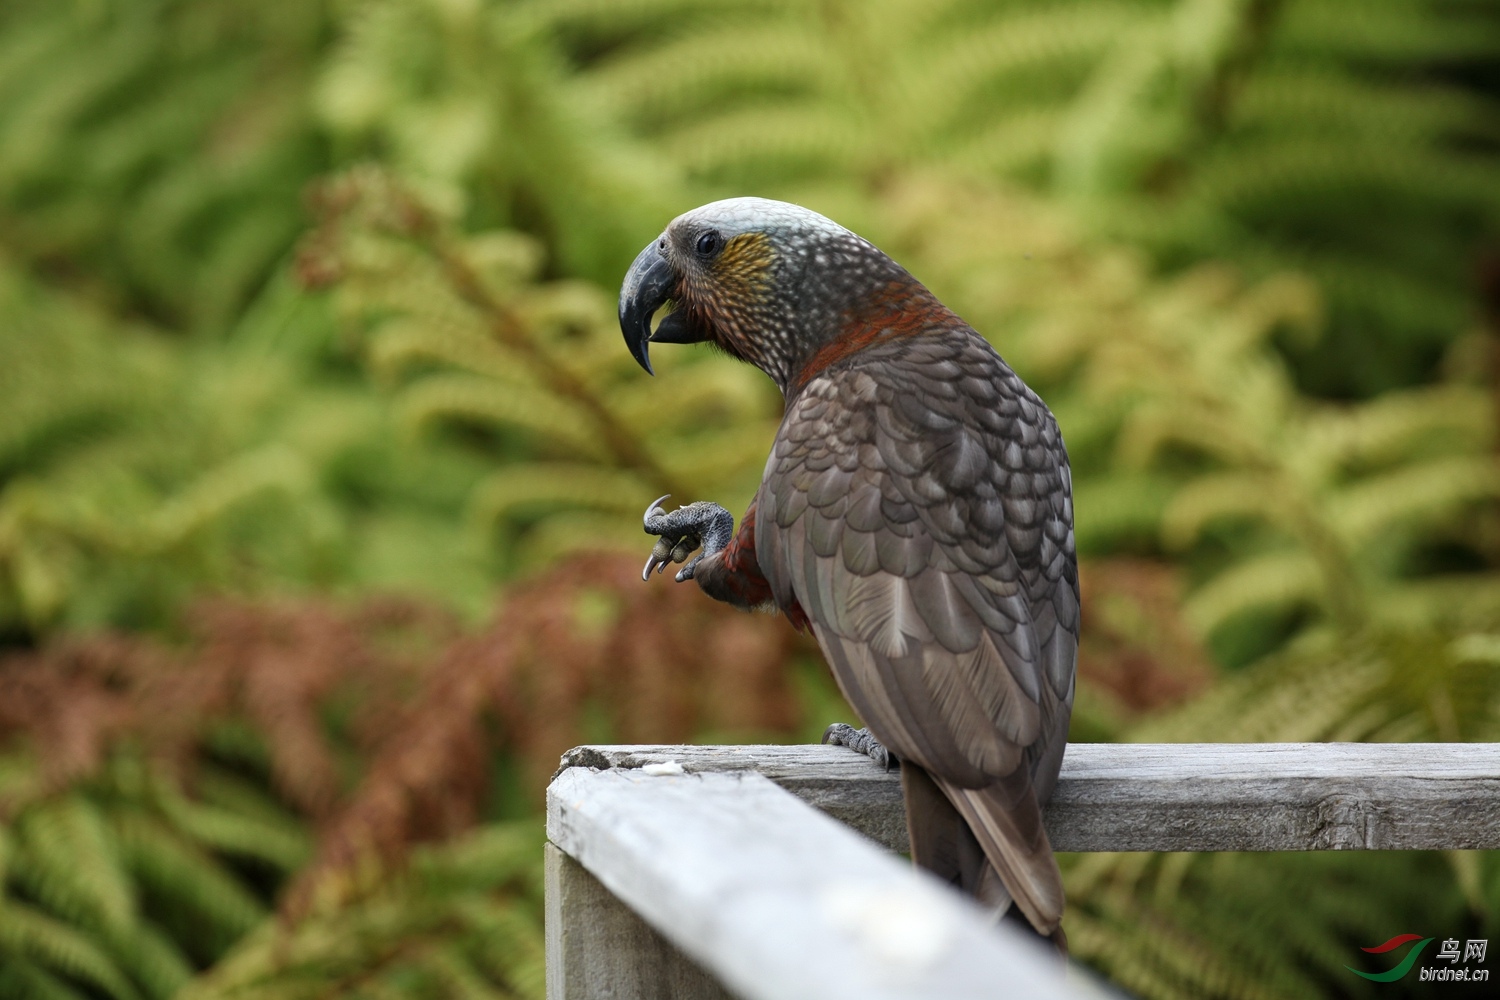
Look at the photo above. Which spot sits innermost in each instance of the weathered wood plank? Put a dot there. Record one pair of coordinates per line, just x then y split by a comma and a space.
597, 948
781, 902
1171, 797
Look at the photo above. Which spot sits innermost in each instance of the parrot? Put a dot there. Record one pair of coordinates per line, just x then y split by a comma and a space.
915, 513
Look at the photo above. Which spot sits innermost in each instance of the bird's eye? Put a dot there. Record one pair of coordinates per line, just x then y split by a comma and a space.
708, 243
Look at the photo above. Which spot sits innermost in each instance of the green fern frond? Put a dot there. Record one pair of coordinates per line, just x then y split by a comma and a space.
1035, 42
22, 979
722, 458
547, 486
468, 397
739, 61
1460, 602
1327, 99
506, 947
1420, 494
570, 532
55, 945
1120, 508
67, 857
458, 920
403, 343
1392, 33
489, 857
152, 960
216, 491
1269, 582
705, 390
756, 144
1213, 497
1404, 425
1021, 141
1303, 171
177, 872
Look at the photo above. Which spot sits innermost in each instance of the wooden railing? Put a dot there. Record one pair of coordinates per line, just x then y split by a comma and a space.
766, 872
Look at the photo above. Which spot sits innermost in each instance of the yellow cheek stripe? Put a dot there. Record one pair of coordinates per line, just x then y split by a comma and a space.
745, 263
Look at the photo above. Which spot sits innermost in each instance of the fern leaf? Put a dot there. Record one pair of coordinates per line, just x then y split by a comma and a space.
735, 62
152, 960
794, 139
250, 826
174, 870
574, 531
551, 485
401, 344
1225, 495
1273, 581
469, 397
274, 467
22, 979
68, 858
1421, 493
1326, 99
55, 945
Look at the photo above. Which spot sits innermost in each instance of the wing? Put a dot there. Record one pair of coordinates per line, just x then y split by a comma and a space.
917, 505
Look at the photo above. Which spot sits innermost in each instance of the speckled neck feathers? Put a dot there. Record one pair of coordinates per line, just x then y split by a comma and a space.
824, 293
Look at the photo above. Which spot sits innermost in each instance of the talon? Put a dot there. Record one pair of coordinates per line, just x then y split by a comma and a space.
860, 741
654, 510
686, 573
834, 731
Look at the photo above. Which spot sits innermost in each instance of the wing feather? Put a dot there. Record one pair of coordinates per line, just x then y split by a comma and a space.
924, 524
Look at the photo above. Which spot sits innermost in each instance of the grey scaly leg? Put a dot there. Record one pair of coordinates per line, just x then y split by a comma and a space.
682, 531
859, 740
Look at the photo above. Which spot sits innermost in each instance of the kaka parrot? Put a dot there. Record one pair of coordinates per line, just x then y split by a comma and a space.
916, 513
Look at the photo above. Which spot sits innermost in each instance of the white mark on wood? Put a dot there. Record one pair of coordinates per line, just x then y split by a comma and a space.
737, 873
665, 767
894, 926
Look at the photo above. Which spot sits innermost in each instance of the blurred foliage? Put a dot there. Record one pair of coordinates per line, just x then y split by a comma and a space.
458, 329
1255, 131
161, 800
317, 300
135, 473
151, 153
461, 920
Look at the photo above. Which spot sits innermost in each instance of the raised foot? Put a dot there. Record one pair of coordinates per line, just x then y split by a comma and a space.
859, 740
682, 531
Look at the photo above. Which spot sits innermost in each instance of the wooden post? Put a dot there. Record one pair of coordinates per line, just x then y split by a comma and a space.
598, 948
775, 899
754, 872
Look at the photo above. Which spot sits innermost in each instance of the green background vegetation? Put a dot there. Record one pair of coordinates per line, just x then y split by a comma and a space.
317, 440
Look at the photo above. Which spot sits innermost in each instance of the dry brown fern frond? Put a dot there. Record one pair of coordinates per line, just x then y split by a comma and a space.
1135, 647
381, 723
583, 652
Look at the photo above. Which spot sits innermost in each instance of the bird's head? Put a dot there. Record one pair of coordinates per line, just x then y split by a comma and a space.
771, 283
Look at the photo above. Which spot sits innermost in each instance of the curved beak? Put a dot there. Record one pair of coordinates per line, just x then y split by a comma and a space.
648, 285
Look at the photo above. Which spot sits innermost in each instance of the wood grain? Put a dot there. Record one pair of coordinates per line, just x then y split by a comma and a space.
779, 901
1170, 797
597, 947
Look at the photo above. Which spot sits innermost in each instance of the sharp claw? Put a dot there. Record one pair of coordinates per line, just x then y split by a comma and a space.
650, 565
655, 508
686, 573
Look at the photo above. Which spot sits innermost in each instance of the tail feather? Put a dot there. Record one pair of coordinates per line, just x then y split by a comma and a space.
1007, 821
942, 843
